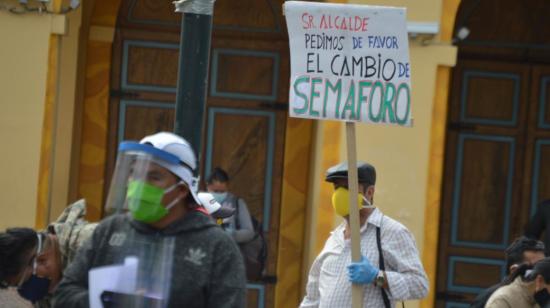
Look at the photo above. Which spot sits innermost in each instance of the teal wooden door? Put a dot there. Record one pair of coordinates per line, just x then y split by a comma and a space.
496, 171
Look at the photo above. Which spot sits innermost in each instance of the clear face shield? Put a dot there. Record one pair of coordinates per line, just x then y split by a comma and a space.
144, 180
147, 183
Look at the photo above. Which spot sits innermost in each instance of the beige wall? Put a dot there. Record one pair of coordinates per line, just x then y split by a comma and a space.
401, 155
24, 61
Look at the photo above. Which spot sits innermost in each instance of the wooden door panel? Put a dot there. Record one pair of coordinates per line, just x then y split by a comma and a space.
255, 297
471, 274
541, 174
248, 15
490, 97
150, 66
482, 192
244, 74
149, 15
153, 11
141, 118
544, 102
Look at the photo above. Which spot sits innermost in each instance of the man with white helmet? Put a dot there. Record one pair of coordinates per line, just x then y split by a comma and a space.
185, 260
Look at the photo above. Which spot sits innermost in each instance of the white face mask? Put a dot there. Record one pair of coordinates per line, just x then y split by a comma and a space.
220, 197
366, 204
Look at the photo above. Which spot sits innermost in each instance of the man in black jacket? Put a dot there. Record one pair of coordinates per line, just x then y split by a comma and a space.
185, 259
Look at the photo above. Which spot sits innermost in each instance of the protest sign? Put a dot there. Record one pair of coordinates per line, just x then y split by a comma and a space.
349, 63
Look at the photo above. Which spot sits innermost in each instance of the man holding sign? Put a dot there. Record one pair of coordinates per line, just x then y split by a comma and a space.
390, 268
351, 63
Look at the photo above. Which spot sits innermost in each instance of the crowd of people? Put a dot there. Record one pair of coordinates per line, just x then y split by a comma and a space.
191, 246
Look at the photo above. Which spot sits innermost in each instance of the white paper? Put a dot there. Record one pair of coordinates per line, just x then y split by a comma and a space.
116, 278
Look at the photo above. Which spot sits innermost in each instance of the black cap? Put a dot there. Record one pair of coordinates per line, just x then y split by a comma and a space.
542, 268
366, 173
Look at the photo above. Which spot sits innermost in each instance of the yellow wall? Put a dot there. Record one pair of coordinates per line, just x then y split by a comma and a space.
24, 64
37, 82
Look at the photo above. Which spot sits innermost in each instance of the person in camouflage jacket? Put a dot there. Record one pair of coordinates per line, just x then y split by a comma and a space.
71, 230
64, 237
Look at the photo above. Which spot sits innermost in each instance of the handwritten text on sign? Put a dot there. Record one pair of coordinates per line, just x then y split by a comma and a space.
349, 63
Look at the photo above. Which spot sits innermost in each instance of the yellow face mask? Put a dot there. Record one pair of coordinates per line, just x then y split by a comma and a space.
340, 201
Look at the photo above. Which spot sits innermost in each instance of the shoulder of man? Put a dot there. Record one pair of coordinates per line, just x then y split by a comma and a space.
390, 224
482, 298
503, 295
115, 221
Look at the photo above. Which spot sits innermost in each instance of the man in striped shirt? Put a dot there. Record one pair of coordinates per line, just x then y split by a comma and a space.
394, 275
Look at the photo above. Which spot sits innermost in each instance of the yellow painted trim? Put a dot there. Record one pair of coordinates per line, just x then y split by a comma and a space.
448, 16
437, 156
94, 128
45, 169
435, 180
102, 34
46, 155
95, 108
332, 132
59, 24
105, 12
298, 145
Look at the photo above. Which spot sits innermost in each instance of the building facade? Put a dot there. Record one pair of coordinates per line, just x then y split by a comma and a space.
464, 179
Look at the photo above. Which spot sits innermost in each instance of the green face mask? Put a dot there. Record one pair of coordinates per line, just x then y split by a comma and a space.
144, 201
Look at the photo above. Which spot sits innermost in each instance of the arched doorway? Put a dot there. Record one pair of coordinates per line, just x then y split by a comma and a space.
497, 163
246, 108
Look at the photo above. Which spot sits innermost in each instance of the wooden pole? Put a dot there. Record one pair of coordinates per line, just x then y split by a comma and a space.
356, 289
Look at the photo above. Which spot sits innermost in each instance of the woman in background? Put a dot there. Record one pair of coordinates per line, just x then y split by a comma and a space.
19, 284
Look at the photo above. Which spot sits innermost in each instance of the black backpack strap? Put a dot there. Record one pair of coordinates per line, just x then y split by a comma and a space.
236, 215
385, 297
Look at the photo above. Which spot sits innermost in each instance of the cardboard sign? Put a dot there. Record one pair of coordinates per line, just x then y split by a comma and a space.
349, 63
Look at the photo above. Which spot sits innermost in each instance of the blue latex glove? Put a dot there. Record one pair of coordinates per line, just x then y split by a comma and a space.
362, 272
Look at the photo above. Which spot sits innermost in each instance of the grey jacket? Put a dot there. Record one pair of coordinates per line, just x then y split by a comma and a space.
206, 266
245, 230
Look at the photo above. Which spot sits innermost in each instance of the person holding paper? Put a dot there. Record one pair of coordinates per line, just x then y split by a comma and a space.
183, 258
390, 269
